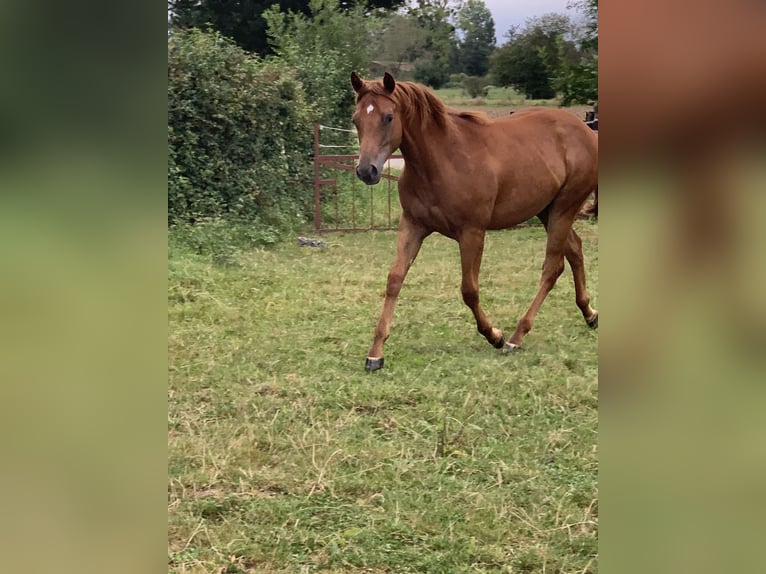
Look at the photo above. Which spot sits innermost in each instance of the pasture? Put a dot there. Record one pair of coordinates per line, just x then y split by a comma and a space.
285, 456
500, 101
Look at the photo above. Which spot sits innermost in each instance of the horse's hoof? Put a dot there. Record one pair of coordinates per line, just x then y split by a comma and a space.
373, 364
592, 322
500, 343
510, 348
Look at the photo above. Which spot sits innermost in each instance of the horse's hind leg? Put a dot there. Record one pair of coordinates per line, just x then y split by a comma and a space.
409, 240
471, 248
558, 227
576, 262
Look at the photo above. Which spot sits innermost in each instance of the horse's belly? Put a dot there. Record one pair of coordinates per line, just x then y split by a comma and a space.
518, 205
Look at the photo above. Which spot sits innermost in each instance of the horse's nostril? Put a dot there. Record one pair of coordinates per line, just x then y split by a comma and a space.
368, 173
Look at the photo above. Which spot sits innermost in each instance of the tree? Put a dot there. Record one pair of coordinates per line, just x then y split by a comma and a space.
324, 49
532, 59
578, 81
242, 20
439, 55
521, 66
589, 8
478, 37
399, 40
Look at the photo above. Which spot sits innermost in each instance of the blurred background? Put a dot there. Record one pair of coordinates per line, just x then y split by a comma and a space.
681, 92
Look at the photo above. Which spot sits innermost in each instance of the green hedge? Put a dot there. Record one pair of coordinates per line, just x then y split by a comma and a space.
239, 135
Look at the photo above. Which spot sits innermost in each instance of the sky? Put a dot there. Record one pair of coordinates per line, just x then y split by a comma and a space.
507, 13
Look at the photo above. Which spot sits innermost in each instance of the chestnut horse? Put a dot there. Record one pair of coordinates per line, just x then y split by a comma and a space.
465, 174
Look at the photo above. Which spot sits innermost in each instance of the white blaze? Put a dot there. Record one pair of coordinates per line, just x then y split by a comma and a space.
370, 108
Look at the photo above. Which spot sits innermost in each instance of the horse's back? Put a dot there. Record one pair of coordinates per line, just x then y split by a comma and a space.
536, 121
553, 134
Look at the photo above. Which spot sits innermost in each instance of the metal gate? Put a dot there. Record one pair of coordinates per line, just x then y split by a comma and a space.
341, 201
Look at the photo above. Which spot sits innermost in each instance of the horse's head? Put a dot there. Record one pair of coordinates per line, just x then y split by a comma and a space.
378, 125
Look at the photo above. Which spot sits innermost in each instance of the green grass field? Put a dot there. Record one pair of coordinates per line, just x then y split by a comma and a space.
500, 101
497, 96
285, 456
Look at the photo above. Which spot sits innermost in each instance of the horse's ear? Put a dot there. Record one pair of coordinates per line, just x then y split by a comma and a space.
356, 82
389, 83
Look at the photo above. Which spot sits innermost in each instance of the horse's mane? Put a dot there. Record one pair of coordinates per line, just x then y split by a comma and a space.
424, 105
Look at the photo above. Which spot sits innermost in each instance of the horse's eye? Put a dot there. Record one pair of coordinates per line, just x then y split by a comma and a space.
388, 118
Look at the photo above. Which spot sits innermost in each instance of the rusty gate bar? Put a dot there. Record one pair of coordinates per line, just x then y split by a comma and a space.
354, 182
345, 163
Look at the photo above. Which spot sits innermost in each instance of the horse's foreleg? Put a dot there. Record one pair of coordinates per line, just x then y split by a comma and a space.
410, 238
576, 262
558, 232
471, 248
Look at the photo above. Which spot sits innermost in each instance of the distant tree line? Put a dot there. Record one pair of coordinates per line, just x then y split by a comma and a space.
432, 41
552, 55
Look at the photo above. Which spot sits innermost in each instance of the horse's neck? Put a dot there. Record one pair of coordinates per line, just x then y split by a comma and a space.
423, 153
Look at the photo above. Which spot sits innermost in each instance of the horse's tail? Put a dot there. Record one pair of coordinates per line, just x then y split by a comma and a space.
589, 209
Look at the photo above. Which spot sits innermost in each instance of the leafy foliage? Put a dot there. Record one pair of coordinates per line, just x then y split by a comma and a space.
578, 81
239, 134
589, 8
244, 21
440, 47
478, 28
324, 50
552, 56
436, 39
476, 86
533, 58
397, 40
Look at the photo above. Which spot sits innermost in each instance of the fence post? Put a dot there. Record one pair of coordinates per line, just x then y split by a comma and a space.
317, 195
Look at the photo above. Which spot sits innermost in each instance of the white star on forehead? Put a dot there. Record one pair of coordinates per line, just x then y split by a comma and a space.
370, 108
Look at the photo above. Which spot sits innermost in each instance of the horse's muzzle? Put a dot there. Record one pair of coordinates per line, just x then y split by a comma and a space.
368, 173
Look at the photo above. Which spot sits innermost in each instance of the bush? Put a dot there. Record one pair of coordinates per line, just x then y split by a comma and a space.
432, 72
455, 80
239, 135
476, 86
578, 83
